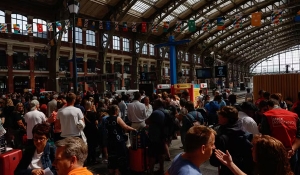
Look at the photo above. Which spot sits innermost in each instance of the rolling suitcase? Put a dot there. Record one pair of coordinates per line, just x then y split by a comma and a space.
9, 161
138, 159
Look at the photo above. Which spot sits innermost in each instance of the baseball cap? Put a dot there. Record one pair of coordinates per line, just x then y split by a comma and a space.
33, 104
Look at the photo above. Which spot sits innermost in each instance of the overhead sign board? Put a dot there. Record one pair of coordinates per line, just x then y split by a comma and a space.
221, 71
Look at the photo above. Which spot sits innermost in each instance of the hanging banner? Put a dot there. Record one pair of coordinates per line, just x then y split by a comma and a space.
39, 27
221, 23
116, 26
237, 22
192, 25
297, 17
133, 27
67, 24
86, 23
125, 27
144, 27
256, 19
107, 25
166, 26
16, 28
79, 22
58, 25
205, 25
3, 28
276, 16
50, 27
100, 25
93, 25
178, 27
29, 28
154, 28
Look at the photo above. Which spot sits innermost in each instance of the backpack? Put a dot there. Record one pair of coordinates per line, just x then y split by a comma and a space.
171, 124
192, 121
239, 146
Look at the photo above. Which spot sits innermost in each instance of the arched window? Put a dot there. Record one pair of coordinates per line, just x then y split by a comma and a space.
145, 49
43, 32
90, 38
151, 49
21, 20
2, 17
116, 43
126, 44
78, 34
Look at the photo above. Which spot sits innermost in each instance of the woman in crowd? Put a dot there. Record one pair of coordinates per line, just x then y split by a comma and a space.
269, 155
18, 128
148, 106
52, 119
37, 158
90, 131
117, 151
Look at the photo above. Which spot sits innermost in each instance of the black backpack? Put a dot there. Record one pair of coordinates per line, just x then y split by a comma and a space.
171, 124
240, 148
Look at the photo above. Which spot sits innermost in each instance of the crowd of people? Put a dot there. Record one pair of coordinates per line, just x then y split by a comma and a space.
61, 132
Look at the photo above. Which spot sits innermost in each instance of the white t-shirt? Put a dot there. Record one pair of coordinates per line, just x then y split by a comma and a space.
248, 123
36, 162
32, 118
69, 117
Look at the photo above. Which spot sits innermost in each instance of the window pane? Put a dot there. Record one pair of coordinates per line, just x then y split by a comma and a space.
20, 61
116, 43
126, 44
2, 17
21, 20
42, 34
90, 38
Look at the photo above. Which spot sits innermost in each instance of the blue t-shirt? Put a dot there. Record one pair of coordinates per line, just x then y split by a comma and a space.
181, 166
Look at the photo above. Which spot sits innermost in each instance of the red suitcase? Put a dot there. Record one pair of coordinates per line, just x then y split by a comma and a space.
138, 161
9, 161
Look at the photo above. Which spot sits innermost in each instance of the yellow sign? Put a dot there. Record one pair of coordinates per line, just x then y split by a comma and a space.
181, 86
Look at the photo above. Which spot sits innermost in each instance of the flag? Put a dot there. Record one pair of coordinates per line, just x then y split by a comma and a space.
67, 23
116, 26
133, 27
237, 22
166, 26
107, 25
29, 28
16, 28
205, 25
58, 25
192, 25
144, 27
297, 17
86, 23
39, 28
154, 28
276, 16
125, 27
3, 28
100, 25
256, 19
178, 27
93, 25
50, 27
79, 22
221, 23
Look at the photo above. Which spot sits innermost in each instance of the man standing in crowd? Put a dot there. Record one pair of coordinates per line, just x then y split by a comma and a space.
246, 117
52, 105
136, 112
156, 136
70, 117
199, 145
70, 155
32, 118
284, 126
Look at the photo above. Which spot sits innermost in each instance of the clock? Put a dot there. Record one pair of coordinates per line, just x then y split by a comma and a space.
209, 61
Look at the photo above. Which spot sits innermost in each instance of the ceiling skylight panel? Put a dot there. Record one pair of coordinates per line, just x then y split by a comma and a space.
180, 9
152, 2
140, 7
211, 11
192, 2
225, 4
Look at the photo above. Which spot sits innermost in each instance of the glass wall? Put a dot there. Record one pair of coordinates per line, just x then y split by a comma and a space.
280, 62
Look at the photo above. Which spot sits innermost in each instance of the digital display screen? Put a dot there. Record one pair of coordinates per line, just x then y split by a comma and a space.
203, 73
